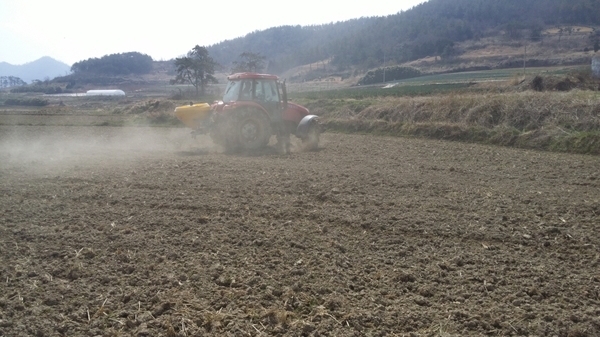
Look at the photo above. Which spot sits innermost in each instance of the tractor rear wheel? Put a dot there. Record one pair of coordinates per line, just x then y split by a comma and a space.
253, 129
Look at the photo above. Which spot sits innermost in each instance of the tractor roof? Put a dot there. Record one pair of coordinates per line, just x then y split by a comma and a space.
253, 76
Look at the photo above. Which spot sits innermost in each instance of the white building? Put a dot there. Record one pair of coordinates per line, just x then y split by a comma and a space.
111, 92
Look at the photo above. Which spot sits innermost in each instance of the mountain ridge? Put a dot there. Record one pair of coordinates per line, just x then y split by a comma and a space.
41, 69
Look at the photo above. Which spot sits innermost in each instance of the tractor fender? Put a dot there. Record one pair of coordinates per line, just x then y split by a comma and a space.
305, 124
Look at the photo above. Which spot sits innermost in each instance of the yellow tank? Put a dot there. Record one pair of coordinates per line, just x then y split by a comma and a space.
193, 115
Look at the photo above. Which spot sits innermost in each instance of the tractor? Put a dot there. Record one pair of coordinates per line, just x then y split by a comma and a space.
254, 107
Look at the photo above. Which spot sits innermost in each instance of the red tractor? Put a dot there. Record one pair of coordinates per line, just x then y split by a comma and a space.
254, 107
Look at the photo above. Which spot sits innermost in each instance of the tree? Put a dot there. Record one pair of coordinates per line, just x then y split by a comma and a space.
11, 81
514, 30
197, 69
115, 64
250, 62
595, 39
536, 32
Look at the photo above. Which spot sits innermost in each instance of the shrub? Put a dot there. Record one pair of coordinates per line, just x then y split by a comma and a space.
537, 83
565, 85
26, 101
391, 74
39, 89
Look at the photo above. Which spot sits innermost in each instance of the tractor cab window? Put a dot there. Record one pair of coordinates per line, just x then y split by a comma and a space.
270, 91
247, 90
259, 91
265, 91
232, 91
246, 93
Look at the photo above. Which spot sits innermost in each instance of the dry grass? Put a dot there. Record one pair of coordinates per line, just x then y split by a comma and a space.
551, 120
575, 110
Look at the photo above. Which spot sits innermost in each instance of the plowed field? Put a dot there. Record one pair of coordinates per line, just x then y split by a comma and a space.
144, 232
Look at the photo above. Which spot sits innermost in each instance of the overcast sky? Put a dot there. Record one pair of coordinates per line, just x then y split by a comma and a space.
71, 31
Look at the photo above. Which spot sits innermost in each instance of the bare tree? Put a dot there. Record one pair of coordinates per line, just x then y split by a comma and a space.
250, 62
197, 69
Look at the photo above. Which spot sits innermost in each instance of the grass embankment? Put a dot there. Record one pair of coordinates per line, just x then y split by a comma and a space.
547, 120
91, 111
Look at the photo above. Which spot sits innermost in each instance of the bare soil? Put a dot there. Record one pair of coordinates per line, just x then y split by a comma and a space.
142, 232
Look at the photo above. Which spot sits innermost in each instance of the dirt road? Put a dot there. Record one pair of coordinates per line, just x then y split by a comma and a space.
141, 232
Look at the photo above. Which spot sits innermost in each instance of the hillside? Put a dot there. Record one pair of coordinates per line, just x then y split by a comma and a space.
442, 30
40, 69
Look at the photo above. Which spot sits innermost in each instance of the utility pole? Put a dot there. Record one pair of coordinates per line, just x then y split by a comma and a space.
384, 66
524, 58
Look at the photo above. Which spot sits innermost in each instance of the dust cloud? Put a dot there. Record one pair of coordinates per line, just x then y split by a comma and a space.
46, 147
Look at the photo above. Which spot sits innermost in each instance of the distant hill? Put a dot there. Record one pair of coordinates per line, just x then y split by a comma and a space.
40, 69
435, 28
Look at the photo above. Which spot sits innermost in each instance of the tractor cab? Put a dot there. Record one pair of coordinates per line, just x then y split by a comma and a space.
264, 90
